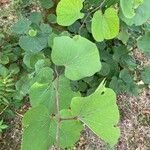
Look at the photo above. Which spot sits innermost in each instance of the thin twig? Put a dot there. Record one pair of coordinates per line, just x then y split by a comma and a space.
88, 14
4, 109
73, 118
57, 109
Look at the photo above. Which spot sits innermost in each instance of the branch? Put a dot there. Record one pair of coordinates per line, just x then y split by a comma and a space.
84, 21
57, 109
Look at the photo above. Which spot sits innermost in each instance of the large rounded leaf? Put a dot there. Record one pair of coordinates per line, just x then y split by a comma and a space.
99, 112
79, 56
105, 26
40, 129
68, 11
142, 14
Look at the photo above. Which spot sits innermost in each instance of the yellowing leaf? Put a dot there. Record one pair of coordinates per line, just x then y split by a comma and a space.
105, 26
68, 11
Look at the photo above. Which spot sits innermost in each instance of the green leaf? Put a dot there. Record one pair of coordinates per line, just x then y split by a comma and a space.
46, 3
40, 93
45, 28
22, 26
41, 63
44, 75
65, 92
137, 3
146, 75
99, 112
105, 26
14, 68
94, 2
79, 56
69, 11
144, 44
30, 59
44, 93
33, 44
74, 27
125, 76
142, 15
105, 69
35, 17
69, 130
52, 18
119, 53
51, 39
32, 33
23, 85
3, 71
123, 35
4, 59
36, 135
127, 7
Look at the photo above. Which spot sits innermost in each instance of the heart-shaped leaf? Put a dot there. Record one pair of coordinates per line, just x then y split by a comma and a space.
105, 26
79, 56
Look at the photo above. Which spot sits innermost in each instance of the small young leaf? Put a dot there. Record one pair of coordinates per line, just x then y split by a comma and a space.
125, 76
32, 32
105, 26
46, 3
30, 59
79, 56
68, 11
22, 26
146, 75
105, 69
35, 17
